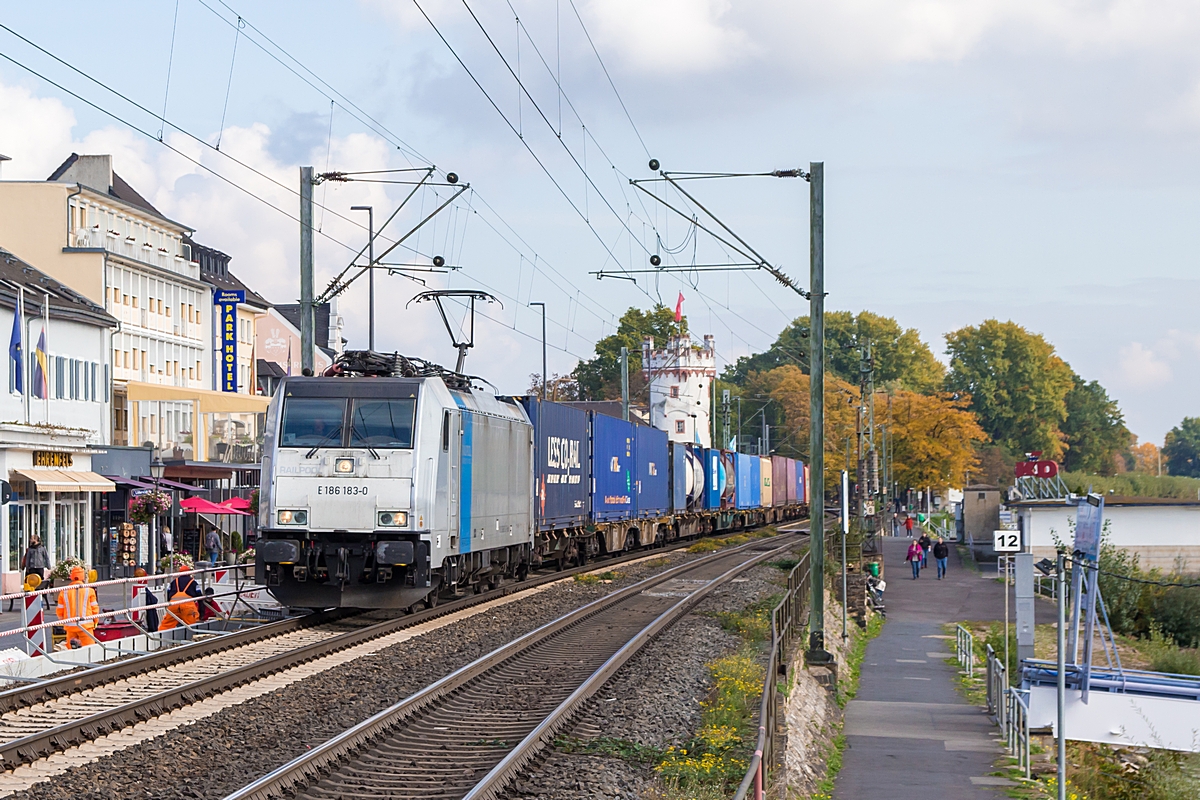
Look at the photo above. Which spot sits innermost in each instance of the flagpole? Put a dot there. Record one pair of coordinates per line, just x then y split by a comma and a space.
46, 333
24, 365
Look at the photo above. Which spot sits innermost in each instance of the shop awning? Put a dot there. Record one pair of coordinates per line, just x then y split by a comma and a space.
207, 401
167, 483
133, 482
61, 480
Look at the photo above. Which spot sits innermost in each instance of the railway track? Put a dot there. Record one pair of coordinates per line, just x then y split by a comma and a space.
52, 716
468, 734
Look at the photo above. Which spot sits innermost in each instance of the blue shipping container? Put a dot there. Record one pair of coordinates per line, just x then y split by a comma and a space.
563, 461
653, 471
801, 489
679, 475
613, 471
755, 482
747, 480
713, 480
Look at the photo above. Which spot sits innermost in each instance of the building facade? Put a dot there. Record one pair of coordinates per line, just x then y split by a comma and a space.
88, 228
680, 378
46, 441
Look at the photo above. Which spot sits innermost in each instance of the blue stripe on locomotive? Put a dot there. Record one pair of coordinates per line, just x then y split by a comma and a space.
562, 453
613, 469
653, 471
464, 493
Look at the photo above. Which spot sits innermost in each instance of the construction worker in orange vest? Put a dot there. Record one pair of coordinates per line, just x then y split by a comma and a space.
183, 609
79, 600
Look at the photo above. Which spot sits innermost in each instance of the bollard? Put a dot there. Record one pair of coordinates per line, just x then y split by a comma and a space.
37, 640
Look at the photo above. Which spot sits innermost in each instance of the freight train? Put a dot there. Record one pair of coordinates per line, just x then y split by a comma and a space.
403, 483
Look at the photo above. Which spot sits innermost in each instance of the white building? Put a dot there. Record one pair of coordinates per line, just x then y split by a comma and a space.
680, 376
1162, 532
44, 442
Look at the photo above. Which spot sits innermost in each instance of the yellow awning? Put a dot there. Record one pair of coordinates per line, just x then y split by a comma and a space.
63, 480
207, 401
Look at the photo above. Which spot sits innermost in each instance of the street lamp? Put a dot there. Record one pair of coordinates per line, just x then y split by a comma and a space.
157, 468
544, 376
371, 272
1058, 568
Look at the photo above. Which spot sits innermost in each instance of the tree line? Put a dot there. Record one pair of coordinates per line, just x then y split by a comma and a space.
1002, 393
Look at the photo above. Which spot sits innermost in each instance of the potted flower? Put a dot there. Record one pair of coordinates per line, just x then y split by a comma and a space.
175, 562
62, 570
146, 507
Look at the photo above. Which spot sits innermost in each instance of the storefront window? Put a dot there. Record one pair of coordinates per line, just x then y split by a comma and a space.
16, 537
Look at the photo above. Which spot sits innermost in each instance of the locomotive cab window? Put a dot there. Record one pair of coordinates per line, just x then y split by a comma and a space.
382, 423
445, 431
312, 422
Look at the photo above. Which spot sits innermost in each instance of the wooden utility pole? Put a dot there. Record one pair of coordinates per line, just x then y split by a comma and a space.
817, 654
306, 269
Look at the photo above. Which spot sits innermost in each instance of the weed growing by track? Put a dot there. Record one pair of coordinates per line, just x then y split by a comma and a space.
608, 576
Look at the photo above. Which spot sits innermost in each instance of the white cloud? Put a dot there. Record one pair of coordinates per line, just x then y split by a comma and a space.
35, 132
1141, 368
670, 36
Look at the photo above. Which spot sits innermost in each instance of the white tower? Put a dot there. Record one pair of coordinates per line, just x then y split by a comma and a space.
680, 377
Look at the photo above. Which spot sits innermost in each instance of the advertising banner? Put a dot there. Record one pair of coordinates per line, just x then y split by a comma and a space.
226, 302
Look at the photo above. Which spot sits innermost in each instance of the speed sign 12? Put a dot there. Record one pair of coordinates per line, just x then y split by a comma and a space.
1006, 541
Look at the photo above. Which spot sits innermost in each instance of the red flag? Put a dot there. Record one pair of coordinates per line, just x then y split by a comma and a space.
679, 308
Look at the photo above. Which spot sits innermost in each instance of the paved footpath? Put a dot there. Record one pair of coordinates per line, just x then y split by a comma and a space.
909, 734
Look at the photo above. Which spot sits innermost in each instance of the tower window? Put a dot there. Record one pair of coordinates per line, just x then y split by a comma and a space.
680, 426
674, 391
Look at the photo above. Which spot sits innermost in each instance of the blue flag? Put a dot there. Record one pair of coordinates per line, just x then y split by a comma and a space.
16, 352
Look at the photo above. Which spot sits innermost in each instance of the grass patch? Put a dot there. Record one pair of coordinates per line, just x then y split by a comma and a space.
717, 758
752, 623
608, 576
786, 564
705, 546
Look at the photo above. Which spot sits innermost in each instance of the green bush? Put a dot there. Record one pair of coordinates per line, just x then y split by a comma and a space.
1134, 484
1177, 612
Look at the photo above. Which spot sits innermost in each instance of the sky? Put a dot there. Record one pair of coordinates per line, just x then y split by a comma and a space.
1032, 160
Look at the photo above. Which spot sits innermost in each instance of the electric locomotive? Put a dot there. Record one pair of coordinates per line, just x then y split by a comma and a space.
381, 491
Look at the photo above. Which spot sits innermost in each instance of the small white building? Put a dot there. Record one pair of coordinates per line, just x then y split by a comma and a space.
44, 442
680, 376
1162, 532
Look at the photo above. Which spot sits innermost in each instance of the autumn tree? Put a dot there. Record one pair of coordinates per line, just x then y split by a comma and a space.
788, 388
1094, 431
1017, 384
1146, 458
933, 439
600, 378
1181, 451
558, 388
899, 355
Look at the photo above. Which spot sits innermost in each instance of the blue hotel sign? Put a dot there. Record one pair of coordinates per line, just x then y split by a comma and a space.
226, 301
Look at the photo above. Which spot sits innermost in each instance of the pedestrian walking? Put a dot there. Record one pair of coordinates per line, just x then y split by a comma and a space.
212, 543
168, 541
914, 557
925, 543
941, 554
908, 526
78, 600
36, 560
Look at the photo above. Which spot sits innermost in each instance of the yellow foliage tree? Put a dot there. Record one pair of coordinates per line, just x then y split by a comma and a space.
1146, 458
933, 438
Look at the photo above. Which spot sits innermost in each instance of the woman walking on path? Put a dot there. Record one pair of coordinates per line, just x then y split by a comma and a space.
915, 554
941, 553
36, 561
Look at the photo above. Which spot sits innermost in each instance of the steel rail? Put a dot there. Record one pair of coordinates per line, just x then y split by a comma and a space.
313, 765
40, 744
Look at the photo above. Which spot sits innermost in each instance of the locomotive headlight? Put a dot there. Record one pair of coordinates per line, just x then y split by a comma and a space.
344, 466
293, 517
393, 519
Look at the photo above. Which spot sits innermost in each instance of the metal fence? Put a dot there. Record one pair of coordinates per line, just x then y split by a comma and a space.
789, 621
1010, 708
964, 650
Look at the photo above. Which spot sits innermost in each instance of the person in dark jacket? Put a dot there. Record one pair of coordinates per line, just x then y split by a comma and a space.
925, 543
36, 560
941, 554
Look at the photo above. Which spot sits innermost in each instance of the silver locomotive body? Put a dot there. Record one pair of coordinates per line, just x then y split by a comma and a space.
383, 492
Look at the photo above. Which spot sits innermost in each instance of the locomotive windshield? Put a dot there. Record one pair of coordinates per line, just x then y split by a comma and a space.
382, 423
312, 422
